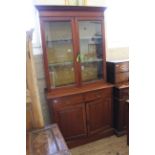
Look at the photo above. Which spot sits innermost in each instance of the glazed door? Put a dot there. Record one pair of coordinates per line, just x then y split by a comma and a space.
74, 51
91, 49
59, 46
99, 115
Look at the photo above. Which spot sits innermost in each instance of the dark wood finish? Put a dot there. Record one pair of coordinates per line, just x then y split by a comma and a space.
47, 141
83, 111
121, 94
69, 113
99, 115
121, 77
118, 74
77, 90
83, 117
70, 8
117, 71
72, 14
127, 119
94, 137
76, 49
98, 110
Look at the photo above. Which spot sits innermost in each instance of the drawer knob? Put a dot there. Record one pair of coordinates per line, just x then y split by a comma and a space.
55, 101
68, 102
98, 95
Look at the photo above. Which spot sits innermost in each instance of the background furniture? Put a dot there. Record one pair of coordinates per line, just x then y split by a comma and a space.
118, 71
79, 98
127, 116
34, 118
118, 74
121, 94
48, 140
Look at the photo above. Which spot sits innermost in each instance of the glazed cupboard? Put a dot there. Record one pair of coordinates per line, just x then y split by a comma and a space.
79, 98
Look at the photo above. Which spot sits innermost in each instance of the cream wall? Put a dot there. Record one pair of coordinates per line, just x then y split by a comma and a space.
50, 2
62, 2
117, 53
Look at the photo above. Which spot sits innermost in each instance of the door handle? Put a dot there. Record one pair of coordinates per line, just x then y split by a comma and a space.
78, 57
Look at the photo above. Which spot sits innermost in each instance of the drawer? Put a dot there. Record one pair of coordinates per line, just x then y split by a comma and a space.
68, 100
122, 67
122, 77
121, 93
124, 94
97, 94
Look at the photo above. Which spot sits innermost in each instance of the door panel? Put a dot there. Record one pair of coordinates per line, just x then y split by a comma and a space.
72, 121
90, 49
99, 115
60, 52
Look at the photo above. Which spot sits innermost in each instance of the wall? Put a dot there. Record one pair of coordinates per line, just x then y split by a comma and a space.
117, 53
41, 85
62, 2
111, 54
52, 2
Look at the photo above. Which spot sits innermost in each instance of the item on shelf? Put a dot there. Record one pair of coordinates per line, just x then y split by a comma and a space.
92, 50
59, 54
61, 76
90, 56
89, 72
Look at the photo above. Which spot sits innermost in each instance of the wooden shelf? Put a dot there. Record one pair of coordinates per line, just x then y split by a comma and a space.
93, 60
77, 90
60, 64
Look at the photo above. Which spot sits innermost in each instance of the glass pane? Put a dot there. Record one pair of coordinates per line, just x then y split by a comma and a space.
62, 75
60, 52
91, 52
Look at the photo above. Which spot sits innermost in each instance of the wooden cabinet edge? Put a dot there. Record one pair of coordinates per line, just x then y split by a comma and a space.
79, 90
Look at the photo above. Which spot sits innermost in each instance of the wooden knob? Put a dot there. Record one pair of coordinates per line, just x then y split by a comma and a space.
55, 101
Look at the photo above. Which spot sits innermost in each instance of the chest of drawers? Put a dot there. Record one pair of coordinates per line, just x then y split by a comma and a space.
121, 94
117, 71
118, 74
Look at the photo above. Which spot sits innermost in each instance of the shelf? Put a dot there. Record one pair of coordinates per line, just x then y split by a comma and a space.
66, 40
60, 64
69, 41
71, 62
94, 60
59, 41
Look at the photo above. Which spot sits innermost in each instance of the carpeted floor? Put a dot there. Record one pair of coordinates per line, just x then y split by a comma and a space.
107, 146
